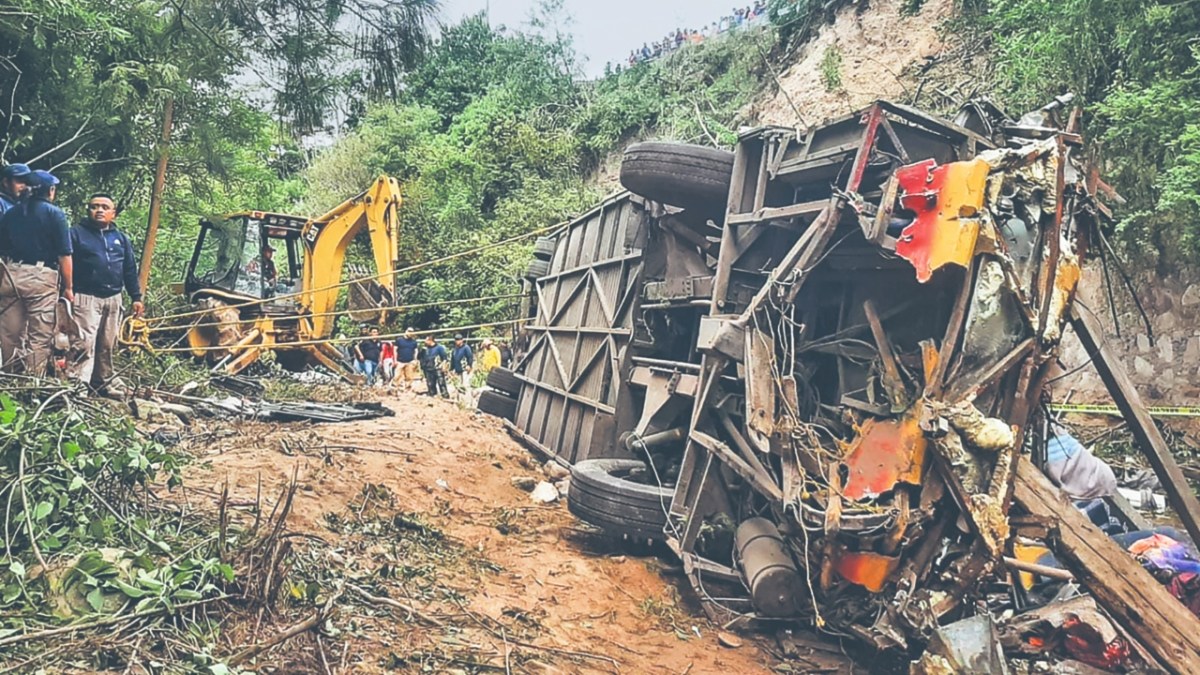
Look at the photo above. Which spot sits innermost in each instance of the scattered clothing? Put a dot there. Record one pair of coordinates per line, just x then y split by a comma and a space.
1081, 474
1165, 554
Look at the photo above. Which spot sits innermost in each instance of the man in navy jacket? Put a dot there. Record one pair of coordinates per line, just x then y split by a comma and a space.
104, 266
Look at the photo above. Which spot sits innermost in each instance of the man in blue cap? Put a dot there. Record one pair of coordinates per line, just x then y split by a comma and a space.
14, 179
104, 265
36, 247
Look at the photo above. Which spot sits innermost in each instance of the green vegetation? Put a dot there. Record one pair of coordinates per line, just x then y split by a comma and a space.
85, 536
831, 68
495, 136
1135, 65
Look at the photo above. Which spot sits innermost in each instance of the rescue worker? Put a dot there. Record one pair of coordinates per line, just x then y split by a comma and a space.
462, 362
433, 358
406, 357
104, 265
35, 249
489, 356
14, 180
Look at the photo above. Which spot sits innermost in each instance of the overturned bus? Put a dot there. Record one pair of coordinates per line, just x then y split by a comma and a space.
816, 367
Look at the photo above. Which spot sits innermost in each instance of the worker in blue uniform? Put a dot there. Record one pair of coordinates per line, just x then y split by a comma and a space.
35, 268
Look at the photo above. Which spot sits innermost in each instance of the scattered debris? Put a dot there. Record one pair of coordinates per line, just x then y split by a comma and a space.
524, 483
544, 493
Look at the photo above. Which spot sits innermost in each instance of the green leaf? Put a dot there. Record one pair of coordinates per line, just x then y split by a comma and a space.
11, 592
76, 483
186, 595
131, 591
96, 599
17, 568
42, 510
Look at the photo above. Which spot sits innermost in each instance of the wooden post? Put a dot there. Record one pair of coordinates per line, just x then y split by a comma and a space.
1133, 598
1179, 492
160, 177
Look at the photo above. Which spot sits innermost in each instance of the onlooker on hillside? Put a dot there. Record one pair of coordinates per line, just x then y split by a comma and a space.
366, 355
506, 355
489, 356
433, 358
462, 362
387, 362
406, 358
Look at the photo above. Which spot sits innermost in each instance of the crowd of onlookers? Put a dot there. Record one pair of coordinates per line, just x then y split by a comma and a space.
405, 360
737, 18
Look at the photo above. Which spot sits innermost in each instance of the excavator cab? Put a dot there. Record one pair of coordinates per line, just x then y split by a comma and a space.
247, 256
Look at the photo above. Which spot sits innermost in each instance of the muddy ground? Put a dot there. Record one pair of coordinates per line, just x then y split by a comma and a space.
421, 507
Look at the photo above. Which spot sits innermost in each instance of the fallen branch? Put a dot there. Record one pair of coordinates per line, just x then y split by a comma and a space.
291, 632
108, 621
396, 604
359, 448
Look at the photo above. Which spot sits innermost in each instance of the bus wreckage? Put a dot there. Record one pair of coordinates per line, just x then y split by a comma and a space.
817, 369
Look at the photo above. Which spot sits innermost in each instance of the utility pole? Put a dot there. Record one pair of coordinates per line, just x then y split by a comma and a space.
160, 177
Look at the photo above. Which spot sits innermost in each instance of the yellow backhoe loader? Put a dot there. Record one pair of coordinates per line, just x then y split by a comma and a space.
270, 281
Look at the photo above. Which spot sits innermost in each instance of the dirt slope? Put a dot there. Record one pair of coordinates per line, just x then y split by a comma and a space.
543, 576
880, 50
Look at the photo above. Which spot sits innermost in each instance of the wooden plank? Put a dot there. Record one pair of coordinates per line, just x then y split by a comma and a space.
1119, 583
892, 381
1179, 493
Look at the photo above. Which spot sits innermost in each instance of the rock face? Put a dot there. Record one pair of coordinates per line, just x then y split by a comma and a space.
1163, 361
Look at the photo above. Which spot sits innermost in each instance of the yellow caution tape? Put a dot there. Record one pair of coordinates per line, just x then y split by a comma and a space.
1162, 411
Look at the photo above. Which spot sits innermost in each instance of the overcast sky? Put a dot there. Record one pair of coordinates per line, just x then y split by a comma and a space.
604, 30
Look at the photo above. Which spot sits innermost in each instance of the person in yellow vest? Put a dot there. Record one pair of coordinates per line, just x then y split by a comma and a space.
489, 356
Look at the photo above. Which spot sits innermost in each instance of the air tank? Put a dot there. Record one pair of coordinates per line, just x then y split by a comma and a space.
770, 574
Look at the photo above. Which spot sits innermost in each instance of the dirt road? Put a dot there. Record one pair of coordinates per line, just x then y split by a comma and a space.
421, 507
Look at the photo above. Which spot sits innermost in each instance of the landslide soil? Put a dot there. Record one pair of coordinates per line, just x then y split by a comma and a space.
502, 560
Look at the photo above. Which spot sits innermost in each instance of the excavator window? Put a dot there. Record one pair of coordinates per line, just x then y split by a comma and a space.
232, 255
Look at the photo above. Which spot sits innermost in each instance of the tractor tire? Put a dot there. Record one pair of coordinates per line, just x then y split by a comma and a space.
543, 248
537, 269
601, 493
498, 405
504, 380
688, 176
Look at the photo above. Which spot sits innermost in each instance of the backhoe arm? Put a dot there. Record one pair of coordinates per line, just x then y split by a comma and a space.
326, 238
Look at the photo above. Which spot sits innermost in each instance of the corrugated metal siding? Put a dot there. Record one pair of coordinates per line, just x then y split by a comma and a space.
586, 307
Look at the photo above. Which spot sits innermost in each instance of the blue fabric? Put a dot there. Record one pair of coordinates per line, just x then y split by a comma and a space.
104, 262
1061, 448
366, 368
406, 349
35, 231
7, 201
462, 355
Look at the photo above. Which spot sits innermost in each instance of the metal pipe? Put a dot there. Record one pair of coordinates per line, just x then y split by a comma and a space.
676, 365
635, 443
